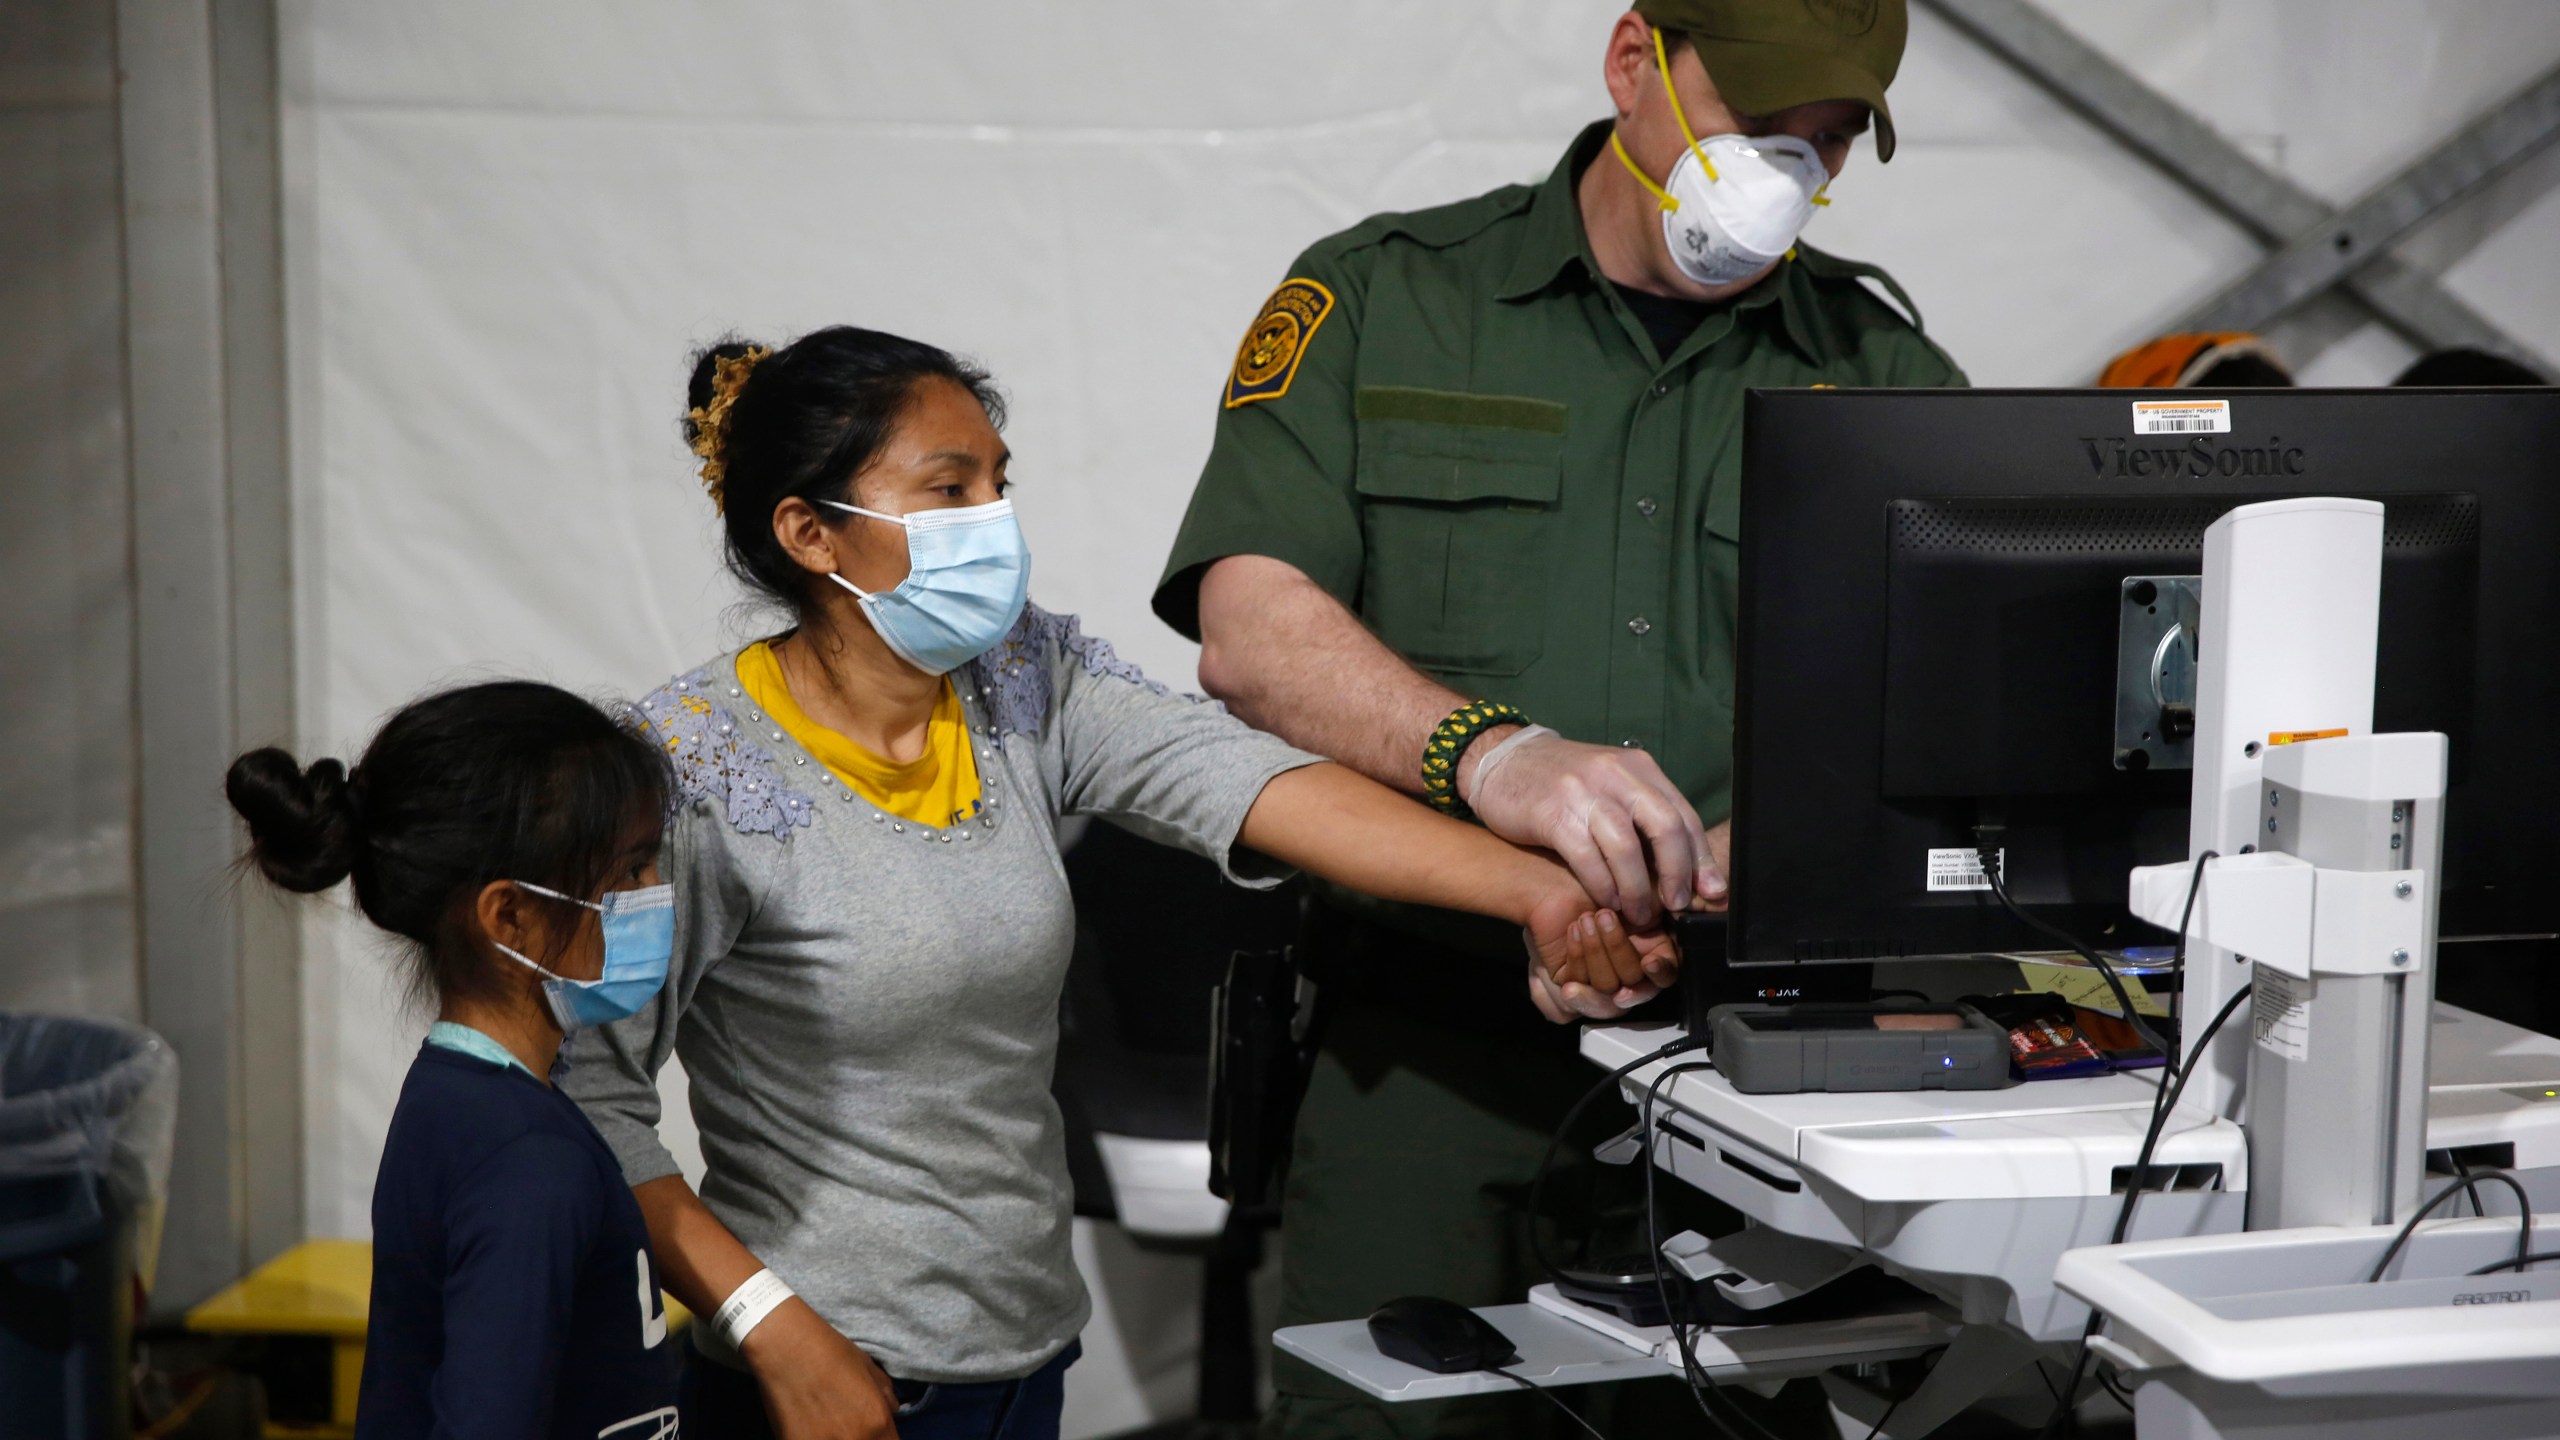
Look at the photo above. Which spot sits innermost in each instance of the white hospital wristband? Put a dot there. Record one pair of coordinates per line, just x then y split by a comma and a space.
747, 1306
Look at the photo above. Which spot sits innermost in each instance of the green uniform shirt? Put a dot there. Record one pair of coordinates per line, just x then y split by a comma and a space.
1454, 424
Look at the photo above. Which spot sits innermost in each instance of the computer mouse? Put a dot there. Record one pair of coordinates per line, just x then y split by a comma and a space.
1441, 1336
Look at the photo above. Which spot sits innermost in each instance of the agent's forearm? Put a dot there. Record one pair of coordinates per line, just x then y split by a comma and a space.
1333, 823
1288, 658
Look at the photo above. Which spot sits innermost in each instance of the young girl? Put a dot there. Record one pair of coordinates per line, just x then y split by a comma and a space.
509, 832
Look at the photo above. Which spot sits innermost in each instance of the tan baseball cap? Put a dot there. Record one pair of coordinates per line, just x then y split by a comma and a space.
1768, 55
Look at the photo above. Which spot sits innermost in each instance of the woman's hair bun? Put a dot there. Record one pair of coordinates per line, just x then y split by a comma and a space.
706, 371
302, 823
719, 376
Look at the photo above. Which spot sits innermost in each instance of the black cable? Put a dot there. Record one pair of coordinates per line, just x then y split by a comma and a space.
1989, 857
1527, 1384
2186, 919
2161, 1110
2471, 1190
1546, 1162
2165, 1099
2164, 1102
1700, 1387
2524, 1228
2047, 1382
2519, 1263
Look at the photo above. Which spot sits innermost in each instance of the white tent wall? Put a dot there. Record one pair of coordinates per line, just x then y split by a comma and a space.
66, 775
507, 224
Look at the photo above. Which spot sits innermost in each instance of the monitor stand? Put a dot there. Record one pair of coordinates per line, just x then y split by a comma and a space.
1707, 980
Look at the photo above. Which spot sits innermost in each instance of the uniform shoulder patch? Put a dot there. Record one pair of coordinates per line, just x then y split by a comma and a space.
1277, 340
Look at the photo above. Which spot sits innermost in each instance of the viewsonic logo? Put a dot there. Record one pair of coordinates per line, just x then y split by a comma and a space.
2200, 458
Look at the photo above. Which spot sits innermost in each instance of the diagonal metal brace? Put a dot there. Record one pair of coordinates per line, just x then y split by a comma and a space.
2335, 249
2224, 176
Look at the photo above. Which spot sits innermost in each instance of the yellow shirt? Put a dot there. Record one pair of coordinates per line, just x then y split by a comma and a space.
936, 788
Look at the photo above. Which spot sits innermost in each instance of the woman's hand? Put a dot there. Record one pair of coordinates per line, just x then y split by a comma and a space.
817, 1384
1336, 825
1585, 964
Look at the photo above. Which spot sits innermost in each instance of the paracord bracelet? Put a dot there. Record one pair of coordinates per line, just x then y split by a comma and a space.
747, 1306
1441, 752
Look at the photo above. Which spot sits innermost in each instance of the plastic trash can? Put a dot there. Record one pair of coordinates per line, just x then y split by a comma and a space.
88, 1112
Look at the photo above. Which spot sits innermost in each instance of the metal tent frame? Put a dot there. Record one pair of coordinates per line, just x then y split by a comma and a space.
2314, 249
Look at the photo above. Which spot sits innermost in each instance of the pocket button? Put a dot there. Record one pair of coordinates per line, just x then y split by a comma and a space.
1639, 625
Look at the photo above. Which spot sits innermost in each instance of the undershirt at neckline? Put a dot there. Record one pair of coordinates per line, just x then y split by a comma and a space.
937, 787
1666, 319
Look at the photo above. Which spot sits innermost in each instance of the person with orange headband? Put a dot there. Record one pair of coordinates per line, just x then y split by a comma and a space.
2197, 360
1469, 525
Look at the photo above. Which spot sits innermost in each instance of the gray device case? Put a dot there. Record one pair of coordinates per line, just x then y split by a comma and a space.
1785, 1061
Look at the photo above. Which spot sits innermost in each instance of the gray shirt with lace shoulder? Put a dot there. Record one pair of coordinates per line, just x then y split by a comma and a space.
868, 1007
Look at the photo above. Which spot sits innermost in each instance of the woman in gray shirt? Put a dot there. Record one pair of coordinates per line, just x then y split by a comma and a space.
873, 924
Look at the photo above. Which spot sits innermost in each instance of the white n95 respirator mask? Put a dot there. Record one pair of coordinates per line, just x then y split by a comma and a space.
1743, 215
1733, 204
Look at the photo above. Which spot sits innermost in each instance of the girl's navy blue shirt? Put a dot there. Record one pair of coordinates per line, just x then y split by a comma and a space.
514, 1296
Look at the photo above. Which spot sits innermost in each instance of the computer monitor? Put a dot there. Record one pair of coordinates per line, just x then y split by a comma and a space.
1935, 597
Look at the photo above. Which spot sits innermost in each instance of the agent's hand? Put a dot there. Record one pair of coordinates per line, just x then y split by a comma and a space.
817, 1384
1720, 864
1601, 809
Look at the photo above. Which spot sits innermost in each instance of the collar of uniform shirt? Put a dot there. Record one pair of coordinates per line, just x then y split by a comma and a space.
1555, 241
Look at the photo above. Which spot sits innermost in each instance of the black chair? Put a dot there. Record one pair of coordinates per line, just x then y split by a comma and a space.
1155, 928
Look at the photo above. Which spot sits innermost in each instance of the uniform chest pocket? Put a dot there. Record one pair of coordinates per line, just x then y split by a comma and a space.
1458, 501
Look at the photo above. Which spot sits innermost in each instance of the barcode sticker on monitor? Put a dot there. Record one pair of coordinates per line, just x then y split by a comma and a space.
1959, 869
2181, 417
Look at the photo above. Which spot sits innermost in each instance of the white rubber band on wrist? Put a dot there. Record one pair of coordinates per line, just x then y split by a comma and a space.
1494, 756
747, 1306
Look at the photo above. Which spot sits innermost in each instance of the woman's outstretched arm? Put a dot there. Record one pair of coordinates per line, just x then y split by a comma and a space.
1332, 822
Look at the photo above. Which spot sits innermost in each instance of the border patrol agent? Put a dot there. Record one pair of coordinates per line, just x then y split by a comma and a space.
1470, 525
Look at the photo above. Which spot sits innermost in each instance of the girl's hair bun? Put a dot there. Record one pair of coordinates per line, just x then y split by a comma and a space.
303, 830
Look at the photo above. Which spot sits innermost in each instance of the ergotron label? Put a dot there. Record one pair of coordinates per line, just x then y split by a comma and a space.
2181, 417
1959, 870
2296, 737
2280, 1013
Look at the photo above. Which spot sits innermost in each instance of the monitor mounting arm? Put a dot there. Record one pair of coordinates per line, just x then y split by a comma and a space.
2324, 895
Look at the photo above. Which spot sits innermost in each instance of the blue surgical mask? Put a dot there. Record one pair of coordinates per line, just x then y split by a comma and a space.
639, 940
968, 575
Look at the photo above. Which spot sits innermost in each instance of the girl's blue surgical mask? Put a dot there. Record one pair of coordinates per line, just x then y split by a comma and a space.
639, 940
968, 575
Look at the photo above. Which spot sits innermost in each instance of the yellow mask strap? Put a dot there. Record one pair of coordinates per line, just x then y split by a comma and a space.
1662, 62
1669, 200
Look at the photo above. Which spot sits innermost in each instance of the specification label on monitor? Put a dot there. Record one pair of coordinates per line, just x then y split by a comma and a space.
1960, 870
2181, 417
2280, 1012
